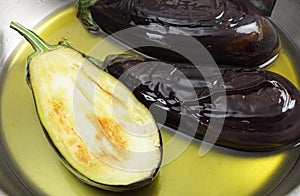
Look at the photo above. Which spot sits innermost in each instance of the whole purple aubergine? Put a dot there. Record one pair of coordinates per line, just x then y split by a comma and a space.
261, 112
232, 31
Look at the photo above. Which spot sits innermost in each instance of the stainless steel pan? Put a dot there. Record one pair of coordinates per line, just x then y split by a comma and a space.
286, 15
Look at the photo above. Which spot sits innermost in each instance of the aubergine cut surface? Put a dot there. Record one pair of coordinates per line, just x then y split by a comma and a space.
233, 31
262, 107
102, 133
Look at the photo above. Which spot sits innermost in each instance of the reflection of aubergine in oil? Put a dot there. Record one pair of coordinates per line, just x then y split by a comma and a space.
113, 150
262, 111
234, 32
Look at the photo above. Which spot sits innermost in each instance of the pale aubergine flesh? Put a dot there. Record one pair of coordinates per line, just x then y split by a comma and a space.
262, 108
233, 31
107, 139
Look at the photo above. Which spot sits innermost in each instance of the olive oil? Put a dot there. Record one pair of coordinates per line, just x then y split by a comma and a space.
221, 171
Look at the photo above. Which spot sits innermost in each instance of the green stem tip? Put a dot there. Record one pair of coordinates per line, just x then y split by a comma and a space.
38, 44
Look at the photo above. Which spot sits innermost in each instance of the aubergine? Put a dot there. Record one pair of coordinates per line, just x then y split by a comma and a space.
102, 133
232, 31
262, 108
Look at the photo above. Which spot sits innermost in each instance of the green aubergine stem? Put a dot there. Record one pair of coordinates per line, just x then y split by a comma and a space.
38, 44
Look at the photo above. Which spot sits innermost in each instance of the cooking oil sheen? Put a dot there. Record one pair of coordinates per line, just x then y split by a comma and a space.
219, 172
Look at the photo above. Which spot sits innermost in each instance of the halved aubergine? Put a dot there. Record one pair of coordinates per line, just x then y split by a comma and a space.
102, 133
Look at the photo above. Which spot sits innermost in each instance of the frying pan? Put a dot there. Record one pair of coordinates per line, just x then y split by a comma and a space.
285, 14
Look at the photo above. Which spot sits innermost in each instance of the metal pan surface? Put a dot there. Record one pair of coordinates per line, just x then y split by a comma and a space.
29, 166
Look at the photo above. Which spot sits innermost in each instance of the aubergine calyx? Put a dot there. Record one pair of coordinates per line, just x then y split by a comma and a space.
84, 14
102, 133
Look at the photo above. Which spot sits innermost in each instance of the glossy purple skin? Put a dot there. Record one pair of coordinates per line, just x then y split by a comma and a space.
262, 111
234, 32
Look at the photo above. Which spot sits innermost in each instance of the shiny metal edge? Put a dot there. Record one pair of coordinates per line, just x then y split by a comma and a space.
264, 6
26, 12
286, 16
29, 13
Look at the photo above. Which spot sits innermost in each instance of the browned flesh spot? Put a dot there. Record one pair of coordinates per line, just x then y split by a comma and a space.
69, 137
59, 116
113, 131
81, 154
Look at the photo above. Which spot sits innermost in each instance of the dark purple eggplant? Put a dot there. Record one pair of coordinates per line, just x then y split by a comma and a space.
233, 31
262, 110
